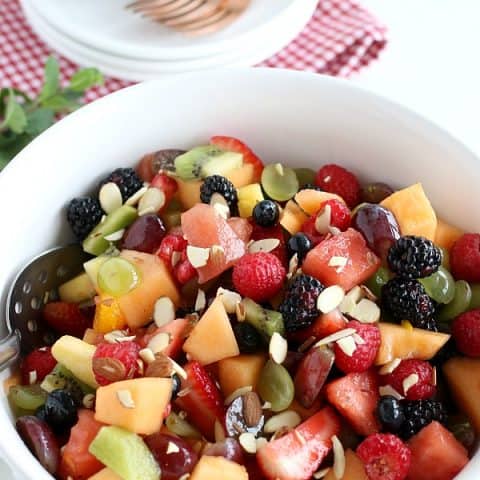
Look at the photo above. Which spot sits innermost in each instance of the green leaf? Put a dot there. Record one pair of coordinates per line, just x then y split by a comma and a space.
6, 154
51, 79
39, 120
84, 79
14, 117
4, 159
60, 104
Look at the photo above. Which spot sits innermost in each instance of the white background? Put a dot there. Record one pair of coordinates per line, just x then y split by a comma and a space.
432, 62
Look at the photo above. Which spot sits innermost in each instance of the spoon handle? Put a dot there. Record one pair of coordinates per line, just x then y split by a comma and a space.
9, 349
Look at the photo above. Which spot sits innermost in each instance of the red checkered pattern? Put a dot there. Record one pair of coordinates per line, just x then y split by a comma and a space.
340, 39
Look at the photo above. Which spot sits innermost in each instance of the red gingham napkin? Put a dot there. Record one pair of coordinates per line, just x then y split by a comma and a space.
340, 39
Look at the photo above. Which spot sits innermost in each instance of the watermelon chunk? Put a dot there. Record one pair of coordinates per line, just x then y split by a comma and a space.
324, 325
204, 227
436, 454
242, 227
361, 261
355, 396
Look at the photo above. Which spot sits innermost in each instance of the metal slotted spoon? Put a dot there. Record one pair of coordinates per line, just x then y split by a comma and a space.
35, 285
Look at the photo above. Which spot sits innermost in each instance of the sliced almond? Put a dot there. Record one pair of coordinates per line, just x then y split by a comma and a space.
161, 367
110, 368
163, 311
434, 376
32, 377
264, 245
151, 202
200, 301
185, 476
267, 406
390, 366
240, 312
351, 299
300, 437
251, 409
172, 448
159, 342
88, 400
321, 473
334, 230
306, 344
248, 442
358, 339
125, 398
367, 293
219, 432
140, 366
292, 266
278, 348
217, 252
330, 298
229, 299
115, 236
409, 382
338, 263
389, 390
135, 198
178, 369
338, 457
346, 332
110, 197
366, 311
347, 345
280, 433
147, 355
289, 419
198, 256
126, 339
220, 205
261, 442
237, 393
176, 257
324, 220
114, 336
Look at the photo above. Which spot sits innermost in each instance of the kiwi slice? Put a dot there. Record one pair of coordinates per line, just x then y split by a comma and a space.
279, 183
120, 218
265, 321
206, 160
125, 453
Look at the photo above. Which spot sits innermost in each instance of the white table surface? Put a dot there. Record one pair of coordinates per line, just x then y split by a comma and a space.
432, 62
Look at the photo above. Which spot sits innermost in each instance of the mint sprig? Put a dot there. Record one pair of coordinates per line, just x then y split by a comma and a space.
23, 118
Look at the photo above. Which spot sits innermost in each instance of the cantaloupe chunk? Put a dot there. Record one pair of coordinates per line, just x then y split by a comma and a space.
413, 211
401, 342
218, 468
156, 281
241, 176
240, 371
446, 235
463, 378
310, 200
292, 217
212, 339
105, 474
188, 193
144, 414
354, 468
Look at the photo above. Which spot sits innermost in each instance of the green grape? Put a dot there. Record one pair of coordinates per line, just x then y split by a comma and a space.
27, 397
459, 304
276, 386
440, 286
378, 280
280, 183
445, 258
475, 301
305, 176
117, 276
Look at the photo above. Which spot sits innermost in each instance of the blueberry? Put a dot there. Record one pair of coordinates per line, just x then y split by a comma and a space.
249, 340
390, 412
299, 244
266, 213
177, 383
60, 411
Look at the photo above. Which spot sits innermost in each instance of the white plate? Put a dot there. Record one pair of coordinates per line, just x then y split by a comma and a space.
135, 70
106, 25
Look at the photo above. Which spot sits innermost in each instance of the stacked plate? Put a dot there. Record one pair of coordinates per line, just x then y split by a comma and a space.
125, 45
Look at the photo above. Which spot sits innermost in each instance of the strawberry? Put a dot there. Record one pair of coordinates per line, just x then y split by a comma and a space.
355, 396
466, 332
260, 233
167, 185
203, 401
297, 455
335, 179
41, 362
66, 318
258, 276
234, 145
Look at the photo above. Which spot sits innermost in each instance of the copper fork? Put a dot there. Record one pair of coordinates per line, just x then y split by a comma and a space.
196, 17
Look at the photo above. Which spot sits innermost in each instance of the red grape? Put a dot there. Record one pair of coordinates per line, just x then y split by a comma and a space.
145, 234
229, 449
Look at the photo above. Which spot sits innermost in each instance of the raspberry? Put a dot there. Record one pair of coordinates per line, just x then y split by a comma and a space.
258, 276
466, 332
260, 233
465, 258
125, 352
335, 179
66, 318
422, 389
41, 362
414, 257
364, 355
385, 457
419, 413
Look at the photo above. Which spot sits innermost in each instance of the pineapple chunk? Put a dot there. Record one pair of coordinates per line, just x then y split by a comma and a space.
77, 289
248, 197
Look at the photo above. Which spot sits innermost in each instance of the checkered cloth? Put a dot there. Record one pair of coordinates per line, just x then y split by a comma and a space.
340, 39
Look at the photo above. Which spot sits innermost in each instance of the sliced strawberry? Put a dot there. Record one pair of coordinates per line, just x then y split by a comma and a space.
37, 365
297, 455
203, 401
355, 396
259, 233
234, 145
324, 325
311, 374
66, 318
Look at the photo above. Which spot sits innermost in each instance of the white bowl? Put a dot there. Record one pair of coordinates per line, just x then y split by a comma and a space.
296, 118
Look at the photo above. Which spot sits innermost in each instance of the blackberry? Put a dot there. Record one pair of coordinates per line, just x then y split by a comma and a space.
127, 181
406, 299
390, 413
419, 413
299, 307
221, 185
266, 213
83, 215
60, 411
249, 340
299, 244
414, 257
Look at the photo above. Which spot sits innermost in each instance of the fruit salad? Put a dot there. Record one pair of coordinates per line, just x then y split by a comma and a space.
240, 320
